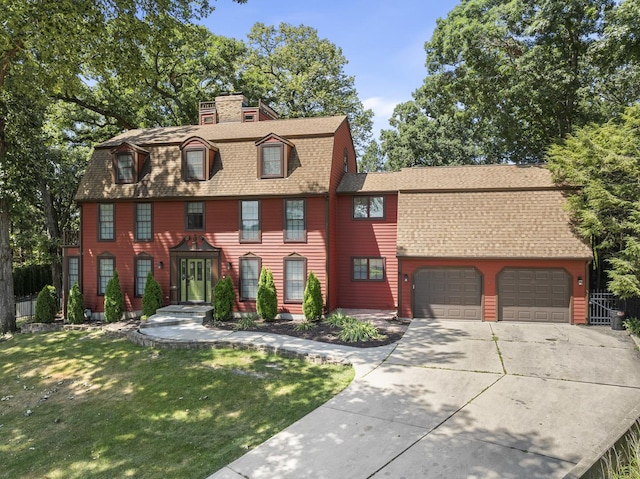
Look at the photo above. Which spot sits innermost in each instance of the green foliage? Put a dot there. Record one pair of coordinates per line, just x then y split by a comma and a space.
75, 306
603, 162
312, 300
267, 298
246, 321
46, 305
305, 325
31, 279
507, 79
305, 77
224, 298
151, 297
338, 319
632, 325
353, 331
113, 300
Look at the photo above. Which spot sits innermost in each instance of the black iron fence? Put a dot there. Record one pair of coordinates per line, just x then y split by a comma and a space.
26, 306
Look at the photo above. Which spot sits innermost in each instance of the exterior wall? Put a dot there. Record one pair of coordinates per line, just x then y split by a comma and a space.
490, 269
342, 140
367, 238
221, 231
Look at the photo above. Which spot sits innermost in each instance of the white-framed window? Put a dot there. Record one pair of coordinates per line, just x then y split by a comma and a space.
295, 225
295, 275
249, 221
249, 276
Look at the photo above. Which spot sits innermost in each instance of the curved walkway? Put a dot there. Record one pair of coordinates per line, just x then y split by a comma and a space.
453, 400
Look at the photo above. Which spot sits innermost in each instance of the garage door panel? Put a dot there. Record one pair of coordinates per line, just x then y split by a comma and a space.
453, 293
534, 295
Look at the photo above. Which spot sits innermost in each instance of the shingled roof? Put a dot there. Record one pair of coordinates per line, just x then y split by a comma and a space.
453, 178
487, 224
235, 168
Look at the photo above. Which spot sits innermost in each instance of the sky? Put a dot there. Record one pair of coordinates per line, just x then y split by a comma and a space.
383, 40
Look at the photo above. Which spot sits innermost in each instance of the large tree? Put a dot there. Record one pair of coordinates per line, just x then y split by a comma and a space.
603, 163
46, 47
505, 79
301, 75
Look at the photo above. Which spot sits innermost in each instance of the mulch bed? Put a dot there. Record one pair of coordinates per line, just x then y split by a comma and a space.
392, 330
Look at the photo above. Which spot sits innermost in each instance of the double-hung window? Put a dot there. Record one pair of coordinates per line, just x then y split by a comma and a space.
144, 224
124, 167
195, 216
195, 164
294, 279
106, 267
368, 207
73, 271
143, 266
106, 222
272, 161
249, 221
368, 269
295, 228
249, 275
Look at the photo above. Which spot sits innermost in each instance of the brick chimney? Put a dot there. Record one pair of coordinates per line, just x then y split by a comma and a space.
232, 108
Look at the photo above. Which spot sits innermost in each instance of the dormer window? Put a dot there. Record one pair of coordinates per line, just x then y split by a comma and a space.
128, 161
195, 164
198, 156
124, 166
273, 155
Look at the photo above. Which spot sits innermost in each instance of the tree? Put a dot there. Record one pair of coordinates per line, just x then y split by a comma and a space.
113, 300
312, 300
603, 163
151, 297
505, 80
46, 305
267, 297
48, 47
223, 299
302, 75
75, 313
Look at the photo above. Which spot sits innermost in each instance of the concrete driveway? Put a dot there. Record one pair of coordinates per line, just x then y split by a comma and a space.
464, 400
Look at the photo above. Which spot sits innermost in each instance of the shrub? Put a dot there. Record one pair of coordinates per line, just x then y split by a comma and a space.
338, 319
246, 322
359, 331
632, 325
312, 299
223, 299
305, 326
152, 296
75, 307
113, 300
267, 297
46, 305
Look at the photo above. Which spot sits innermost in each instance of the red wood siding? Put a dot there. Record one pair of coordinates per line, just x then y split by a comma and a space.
342, 140
490, 270
367, 238
221, 230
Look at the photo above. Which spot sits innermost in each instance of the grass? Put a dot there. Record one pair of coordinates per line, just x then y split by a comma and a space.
623, 462
77, 405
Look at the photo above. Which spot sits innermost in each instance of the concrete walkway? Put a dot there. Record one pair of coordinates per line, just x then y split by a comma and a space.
457, 399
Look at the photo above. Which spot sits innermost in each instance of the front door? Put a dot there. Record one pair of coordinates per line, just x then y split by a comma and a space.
193, 280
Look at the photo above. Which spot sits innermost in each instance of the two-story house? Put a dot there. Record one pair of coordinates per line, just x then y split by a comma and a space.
243, 190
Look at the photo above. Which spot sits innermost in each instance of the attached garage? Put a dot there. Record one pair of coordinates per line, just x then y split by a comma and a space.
532, 294
447, 293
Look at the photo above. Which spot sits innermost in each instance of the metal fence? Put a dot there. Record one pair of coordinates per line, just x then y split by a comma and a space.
26, 306
601, 304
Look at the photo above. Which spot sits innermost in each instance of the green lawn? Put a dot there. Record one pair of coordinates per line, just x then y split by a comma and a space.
103, 407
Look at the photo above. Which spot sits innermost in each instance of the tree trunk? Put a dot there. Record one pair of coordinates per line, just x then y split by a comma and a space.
7, 299
53, 234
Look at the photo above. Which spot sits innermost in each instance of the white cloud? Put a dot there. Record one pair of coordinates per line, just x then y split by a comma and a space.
382, 110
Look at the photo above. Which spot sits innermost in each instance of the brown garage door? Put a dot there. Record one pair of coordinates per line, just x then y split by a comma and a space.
534, 295
447, 293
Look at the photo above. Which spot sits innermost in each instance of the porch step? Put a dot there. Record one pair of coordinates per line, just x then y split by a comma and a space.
179, 314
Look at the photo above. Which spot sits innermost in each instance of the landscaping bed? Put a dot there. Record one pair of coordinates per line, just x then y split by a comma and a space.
390, 329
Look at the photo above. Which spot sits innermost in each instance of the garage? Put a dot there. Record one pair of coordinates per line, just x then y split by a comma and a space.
529, 294
447, 293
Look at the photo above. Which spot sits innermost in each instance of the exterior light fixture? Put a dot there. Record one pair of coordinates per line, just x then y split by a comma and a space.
406, 278
160, 265
579, 280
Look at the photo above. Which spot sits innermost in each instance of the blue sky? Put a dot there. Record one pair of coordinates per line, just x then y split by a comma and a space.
383, 40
